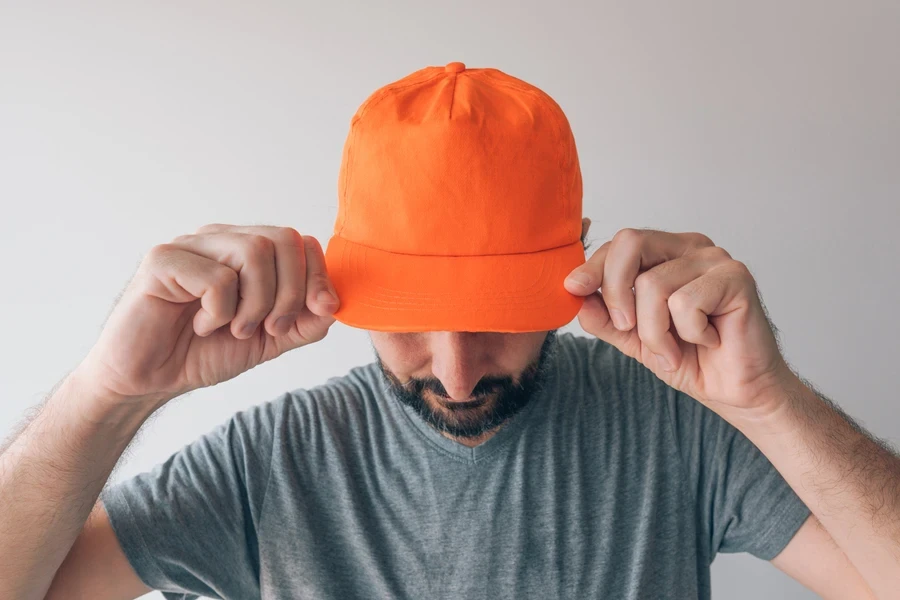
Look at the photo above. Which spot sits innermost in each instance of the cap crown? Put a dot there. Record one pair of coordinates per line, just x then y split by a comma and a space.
450, 161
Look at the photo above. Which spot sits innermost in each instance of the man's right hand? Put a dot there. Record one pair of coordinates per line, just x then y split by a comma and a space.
206, 307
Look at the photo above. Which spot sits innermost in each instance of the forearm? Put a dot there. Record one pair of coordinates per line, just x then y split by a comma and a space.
50, 478
850, 481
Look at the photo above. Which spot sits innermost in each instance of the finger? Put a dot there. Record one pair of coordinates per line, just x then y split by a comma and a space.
290, 272
321, 297
253, 258
718, 292
633, 251
290, 268
653, 320
652, 290
594, 319
630, 251
586, 278
181, 276
313, 323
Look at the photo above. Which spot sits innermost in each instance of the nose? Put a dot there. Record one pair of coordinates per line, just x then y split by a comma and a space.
456, 360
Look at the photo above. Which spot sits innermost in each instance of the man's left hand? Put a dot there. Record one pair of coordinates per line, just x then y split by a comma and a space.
692, 304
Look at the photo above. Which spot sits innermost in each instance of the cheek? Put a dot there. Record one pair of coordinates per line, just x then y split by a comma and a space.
403, 353
518, 350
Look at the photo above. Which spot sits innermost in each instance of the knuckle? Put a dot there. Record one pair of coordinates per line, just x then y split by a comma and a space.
648, 281
160, 254
647, 334
679, 302
700, 239
259, 245
313, 243
288, 236
212, 228
718, 253
628, 236
738, 268
182, 239
225, 277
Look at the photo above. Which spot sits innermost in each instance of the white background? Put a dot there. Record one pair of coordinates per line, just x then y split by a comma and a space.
773, 127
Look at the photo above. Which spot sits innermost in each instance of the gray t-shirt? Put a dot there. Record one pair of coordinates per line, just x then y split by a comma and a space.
608, 484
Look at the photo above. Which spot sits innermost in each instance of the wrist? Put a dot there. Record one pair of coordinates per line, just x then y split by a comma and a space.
776, 408
84, 390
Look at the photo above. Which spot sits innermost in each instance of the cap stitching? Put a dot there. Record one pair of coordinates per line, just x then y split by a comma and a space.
538, 281
452, 95
537, 302
343, 205
398, 301
567, 244
384, 92
347, 260
408, 298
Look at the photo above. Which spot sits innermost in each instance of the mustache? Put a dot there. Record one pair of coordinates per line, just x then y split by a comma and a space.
485, 387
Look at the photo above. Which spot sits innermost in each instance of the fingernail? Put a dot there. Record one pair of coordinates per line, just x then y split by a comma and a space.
325, 297
249, 328
664, 364
581, 279
283, 324
619, 319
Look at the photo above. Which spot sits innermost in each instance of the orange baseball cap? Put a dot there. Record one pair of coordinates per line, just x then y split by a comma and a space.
459, 207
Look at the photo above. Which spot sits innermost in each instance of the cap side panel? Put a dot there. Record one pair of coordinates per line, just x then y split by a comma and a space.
564, 140
422, 76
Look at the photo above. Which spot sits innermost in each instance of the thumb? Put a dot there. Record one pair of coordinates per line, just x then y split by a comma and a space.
594, 319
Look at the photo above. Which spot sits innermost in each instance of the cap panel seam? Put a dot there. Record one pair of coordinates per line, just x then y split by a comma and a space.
540, 96
342, 202
417, 254
384, 92
452, 96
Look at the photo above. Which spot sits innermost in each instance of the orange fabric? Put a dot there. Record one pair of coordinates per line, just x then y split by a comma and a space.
459, 207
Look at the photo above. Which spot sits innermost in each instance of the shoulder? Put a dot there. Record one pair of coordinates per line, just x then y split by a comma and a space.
340, 406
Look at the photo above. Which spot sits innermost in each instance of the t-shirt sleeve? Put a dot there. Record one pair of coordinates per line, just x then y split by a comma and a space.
189, 526
743, 502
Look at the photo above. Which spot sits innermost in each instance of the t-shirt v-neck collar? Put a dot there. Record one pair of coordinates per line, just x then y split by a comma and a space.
510, 429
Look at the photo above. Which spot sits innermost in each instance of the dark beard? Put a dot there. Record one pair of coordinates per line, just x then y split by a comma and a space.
483, 414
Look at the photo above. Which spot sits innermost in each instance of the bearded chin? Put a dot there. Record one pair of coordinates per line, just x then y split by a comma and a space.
505, 398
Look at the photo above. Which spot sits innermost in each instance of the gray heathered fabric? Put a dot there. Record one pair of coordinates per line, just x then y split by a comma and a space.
609, 484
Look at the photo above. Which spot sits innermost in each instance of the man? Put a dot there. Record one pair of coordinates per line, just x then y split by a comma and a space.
482, 454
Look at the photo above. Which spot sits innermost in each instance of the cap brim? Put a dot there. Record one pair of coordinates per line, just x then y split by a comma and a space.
385, 291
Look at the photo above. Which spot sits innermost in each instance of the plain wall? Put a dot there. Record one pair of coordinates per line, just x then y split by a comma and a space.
772, 127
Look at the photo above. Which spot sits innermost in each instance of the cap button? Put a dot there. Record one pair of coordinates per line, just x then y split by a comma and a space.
455, 67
